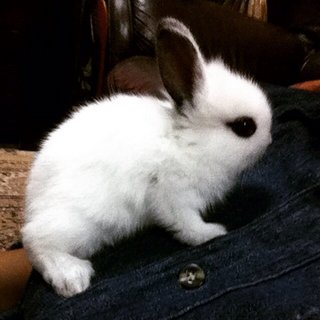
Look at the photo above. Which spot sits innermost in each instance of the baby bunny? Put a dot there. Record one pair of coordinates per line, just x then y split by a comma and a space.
127, 162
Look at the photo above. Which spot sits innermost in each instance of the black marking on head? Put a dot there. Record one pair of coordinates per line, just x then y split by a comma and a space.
243, 127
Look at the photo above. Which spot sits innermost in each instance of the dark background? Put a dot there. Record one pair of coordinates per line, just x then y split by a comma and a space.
44, 48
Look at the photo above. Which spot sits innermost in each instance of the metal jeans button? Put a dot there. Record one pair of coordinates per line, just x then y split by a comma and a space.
191, 276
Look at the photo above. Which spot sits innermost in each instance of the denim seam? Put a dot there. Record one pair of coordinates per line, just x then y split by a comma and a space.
256, 226
293, 198
246, 285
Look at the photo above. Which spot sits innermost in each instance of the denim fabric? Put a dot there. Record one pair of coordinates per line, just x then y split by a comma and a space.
267, 267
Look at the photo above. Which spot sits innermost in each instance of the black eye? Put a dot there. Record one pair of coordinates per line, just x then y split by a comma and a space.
243, 127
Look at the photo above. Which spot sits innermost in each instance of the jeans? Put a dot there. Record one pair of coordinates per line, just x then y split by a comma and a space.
266, 267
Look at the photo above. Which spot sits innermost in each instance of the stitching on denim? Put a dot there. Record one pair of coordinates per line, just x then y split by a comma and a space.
246, 285
293, 198
255, 225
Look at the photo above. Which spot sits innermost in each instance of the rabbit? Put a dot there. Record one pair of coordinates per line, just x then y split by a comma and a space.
126, 162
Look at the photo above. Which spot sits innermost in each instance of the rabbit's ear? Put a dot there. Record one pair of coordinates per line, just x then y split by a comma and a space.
180, 61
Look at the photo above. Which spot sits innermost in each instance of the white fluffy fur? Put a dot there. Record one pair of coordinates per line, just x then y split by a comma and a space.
123, 163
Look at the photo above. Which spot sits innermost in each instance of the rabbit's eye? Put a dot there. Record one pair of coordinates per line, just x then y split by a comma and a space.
243, 127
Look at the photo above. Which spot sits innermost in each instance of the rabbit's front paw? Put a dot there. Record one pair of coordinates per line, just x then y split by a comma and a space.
201, 233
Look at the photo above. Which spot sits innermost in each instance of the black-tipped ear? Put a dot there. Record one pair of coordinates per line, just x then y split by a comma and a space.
179, 59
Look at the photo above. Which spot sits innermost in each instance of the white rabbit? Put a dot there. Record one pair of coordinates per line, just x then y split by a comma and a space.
123, 163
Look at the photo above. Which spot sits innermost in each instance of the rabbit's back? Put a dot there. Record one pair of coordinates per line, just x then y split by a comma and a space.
116, 125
